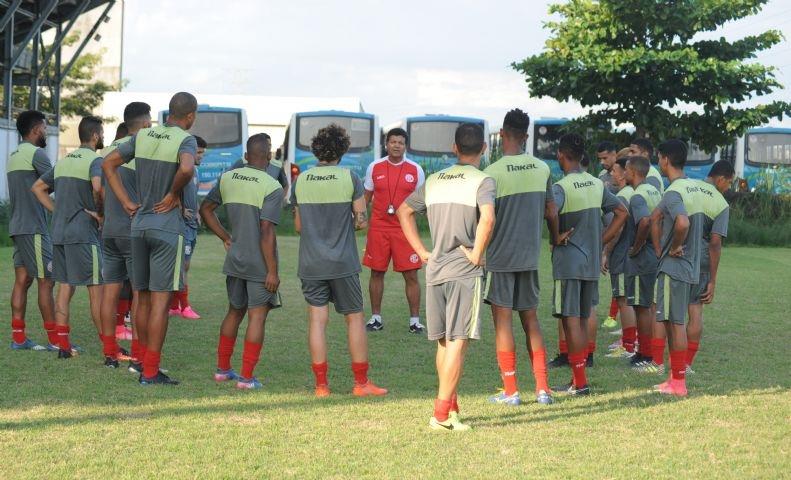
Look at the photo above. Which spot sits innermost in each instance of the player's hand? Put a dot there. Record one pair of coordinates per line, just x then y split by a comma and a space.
474, 259
95, 215
677, 252
168, 203
605, 264
635, 249
227, 243
708, 295
131, 208
272, 282
563, 238
424, 256
189, 213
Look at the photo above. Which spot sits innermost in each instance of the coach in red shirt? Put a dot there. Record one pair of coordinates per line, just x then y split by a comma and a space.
388, 182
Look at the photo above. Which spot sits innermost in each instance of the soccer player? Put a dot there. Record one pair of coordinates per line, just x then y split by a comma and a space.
180, 303
644, 148
677, 234
253, 201
607, 153
641, 261
77, 256
524, 199
388, 182
28, 230
459, 202
276, 169
164, 163
581, 198
121, 131
715, 227
116, 244
329, 205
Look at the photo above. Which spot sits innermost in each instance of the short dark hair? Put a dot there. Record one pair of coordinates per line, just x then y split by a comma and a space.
644, 144
28, 120
572, 145
201, 142
121, 130
259, 144
135, 111
469, 139
396, 132
516, 123
622, 162
722, 168
606, 146
641, 164
330, 143
675, 150
182, 104
88, 126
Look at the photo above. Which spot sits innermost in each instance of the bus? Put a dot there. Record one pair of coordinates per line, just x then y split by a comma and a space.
698, 162
225, 132
763, 159
543, 141
431, 140
363, 129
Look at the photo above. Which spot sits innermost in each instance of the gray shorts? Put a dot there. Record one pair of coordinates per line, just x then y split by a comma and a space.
117, 263
640, 290
34, 252
190, 240
157, 261
699, 288
618, 283
345, 293
250, 294
453, 309
672, 299
77, 264
515, 290
574, 298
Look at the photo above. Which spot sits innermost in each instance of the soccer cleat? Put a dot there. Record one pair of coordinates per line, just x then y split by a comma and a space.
174, 312
561, 360
135, 367
225, 375
638, 359
122, 332
661, 369
159, 379
581, 391
452, 424
544, 398
65, 354
374, 325
589, 360
369, 389
416, 328
646, 367
248, 383
51, 347
189, 313
504, 399
609, 322
614, 345
620, 352
662, 385
322, 391
110, 362
28, 344
677, 388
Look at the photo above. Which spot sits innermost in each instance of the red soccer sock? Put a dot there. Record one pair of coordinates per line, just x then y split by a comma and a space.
109, 345
454, 403
629, 336
441, 409
18, 330
507, 363
577, 362
121, 311
143, 350
135, 347
320, 372
678, 364
613, 308
692, 350
174, 301
225, 351
52, 334
184, 297
658, 350
360, 370
63, 337
645, 344
539, 362
591, 347
563, 347
151, 363
250, 356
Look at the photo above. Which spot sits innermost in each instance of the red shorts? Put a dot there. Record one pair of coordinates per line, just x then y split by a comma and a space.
385, 244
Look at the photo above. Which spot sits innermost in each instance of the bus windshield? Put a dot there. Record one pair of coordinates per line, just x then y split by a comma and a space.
696, 156
432, 137
768, 149
545, 143
360, 130
219, 129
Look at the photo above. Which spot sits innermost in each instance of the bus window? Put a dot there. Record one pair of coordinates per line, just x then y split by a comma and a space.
220, 129
360, 130
768, 149
696, 156
432, 137
545, 142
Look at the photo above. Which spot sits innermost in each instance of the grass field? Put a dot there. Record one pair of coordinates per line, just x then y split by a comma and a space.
76, 419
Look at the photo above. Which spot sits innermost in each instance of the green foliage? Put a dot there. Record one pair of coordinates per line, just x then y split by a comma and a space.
636, 61
760, 218
5, 218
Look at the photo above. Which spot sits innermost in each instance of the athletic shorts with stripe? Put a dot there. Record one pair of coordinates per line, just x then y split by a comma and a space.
640, 290
699, 288
244, 293
34, 252
157, 261
77, 264
515, 290
453, 309
574, 298
345, 293
117, 261
618, 283
672, 299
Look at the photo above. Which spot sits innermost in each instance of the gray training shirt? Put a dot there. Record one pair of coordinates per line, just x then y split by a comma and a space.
621, 248
25, 165
118, 223
682, 197
275, 170
642, 203
189, 200
715, 221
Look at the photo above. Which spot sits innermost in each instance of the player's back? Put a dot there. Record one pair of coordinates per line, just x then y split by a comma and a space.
74, 195
685, 268
117, 222
25, 165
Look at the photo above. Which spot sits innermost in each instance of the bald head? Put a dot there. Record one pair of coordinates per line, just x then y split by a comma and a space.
182, 104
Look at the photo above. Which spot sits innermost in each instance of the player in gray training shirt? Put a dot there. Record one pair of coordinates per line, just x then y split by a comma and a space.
328, 207
276, 169
606, 152
253, 201
28, 230
677, 232
644, 148
459, 203
77, 182
164, 163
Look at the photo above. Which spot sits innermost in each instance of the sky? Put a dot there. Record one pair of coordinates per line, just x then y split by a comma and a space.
400, 58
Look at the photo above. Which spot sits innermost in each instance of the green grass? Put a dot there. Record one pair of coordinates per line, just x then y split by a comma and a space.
76, 419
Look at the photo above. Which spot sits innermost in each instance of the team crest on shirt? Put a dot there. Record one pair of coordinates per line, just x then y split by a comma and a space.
414, 258
410, 179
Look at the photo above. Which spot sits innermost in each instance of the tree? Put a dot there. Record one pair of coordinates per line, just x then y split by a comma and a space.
639, 62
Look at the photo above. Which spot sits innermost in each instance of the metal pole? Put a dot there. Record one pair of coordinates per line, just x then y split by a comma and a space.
77, 53
8, 73
56, 87
62, 35
9, 14
33, 97
36, 27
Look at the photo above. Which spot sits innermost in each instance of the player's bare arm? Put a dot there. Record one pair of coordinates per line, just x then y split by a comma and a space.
183, 175
656, 231
297, 221
715, 251
110, 167
41, 190
360, 212
269, 252
641, 236
620, 213
406, 217
483, 234
680, 231
209, 215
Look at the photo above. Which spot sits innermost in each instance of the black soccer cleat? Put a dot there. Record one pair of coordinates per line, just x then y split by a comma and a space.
160, 379
561, 360
416, 328
374, 326
110, 362
136, 367
579, 392
64, 354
